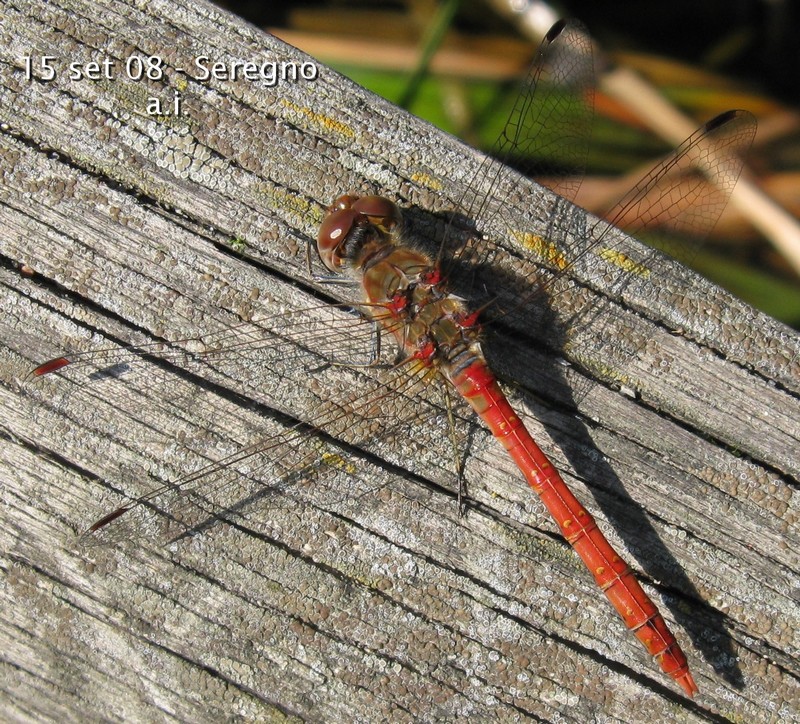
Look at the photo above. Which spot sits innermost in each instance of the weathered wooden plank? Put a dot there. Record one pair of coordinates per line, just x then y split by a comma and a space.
363, 595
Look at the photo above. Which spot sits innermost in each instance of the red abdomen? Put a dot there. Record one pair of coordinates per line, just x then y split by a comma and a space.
478, 386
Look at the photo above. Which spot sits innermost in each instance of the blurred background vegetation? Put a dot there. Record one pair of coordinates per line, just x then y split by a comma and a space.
455, 64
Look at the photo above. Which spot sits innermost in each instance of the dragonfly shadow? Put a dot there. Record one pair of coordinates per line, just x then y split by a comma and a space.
245, 513
524, 347
173, 516
235, 515
113, 371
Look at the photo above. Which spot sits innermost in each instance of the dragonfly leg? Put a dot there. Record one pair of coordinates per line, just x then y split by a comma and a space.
374, 356
327, 278
331, 279
375, 353
458, 460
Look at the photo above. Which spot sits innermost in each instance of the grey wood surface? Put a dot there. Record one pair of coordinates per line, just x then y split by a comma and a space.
359, 593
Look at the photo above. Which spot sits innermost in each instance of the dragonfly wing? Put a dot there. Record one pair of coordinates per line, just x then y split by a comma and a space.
383, 413
549, 127
688, 191
236, 355
584, 264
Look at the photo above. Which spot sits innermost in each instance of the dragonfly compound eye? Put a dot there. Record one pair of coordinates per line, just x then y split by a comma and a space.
340, 203
332, 235
379, 210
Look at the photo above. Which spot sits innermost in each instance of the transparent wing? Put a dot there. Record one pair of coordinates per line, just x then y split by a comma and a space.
550, 123
334, 411
338, 334
688, 191
552, 117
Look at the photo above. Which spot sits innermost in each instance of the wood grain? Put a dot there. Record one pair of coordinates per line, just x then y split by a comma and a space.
361, 594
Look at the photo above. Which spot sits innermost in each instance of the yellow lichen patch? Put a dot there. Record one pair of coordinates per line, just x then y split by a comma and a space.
330, 124
428, 181
624, 262
293, 203
543, 248
599, 370
547, 548
609, 373
334, 460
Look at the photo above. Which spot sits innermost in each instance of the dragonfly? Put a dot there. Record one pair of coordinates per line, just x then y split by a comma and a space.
418, 294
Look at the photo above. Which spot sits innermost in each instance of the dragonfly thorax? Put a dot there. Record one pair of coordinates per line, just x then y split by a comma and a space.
402, 288
405, 295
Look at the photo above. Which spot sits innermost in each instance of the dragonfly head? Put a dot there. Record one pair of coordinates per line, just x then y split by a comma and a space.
347, 214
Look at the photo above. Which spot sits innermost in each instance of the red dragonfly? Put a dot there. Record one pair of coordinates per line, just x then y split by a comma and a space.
411, 292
